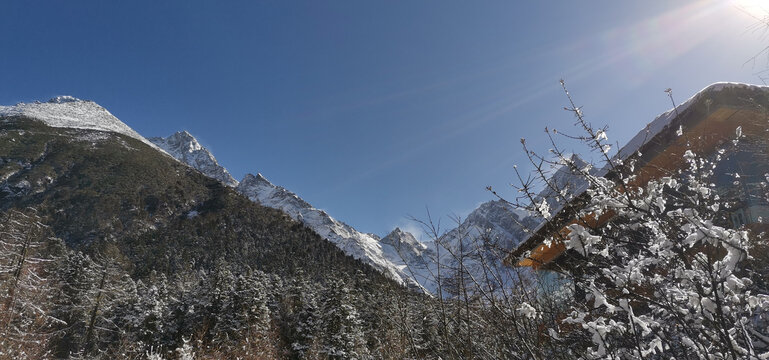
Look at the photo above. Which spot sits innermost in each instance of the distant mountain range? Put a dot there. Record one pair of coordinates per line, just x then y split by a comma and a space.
112, 248
398, 255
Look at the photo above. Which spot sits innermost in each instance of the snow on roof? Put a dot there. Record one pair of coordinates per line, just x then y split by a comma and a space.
644, 136
664, 119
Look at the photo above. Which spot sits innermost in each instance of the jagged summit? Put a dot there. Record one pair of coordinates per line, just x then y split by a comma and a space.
365, 247
262, 191
258, 178
64, 99
496, 220
399, 238
70, 112
185, 148
406, 249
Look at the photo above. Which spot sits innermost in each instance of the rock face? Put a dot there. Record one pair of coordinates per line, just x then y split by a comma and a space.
480, 242
260, 190
410, 251
185, 148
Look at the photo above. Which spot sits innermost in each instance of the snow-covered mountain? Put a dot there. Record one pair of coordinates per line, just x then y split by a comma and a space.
73, 113
567, 181
365, 247
384, 256
398, 255
491, 231
185, 148
410, 251
488, 233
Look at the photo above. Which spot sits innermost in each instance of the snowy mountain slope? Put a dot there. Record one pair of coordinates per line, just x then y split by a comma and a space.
407, 247
488, 232
185, 148
71, 112
399, 254
365, 247
494, 229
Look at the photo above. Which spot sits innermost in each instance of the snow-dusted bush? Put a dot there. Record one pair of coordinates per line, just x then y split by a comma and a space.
666, 276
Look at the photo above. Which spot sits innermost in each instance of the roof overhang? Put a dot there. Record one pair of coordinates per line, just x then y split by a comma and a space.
708, 121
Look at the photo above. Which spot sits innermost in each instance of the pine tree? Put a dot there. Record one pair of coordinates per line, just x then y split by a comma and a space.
304, 318
27, 254
342, 327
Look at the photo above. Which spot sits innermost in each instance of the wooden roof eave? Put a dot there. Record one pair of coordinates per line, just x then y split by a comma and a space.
565, 215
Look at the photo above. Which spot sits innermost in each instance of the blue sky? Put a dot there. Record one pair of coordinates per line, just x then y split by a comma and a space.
375, 110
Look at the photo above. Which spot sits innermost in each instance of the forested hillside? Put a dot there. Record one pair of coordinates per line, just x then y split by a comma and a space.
111, 247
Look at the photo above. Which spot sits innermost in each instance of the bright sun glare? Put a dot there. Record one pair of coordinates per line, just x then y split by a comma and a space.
755, 8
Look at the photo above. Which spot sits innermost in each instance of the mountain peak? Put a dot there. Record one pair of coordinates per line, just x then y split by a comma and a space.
397, 237
256, 179
185, 135
259, 189
186, 142
186, 148
64, 99
70, 112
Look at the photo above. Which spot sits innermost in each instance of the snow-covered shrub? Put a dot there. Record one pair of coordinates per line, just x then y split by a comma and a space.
667, 275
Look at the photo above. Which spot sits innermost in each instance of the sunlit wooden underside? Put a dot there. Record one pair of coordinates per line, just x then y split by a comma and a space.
703, 138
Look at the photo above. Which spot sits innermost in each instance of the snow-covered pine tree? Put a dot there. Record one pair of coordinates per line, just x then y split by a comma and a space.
305, 319
249, 317
90, 292
343, 336
27, 253
151, 314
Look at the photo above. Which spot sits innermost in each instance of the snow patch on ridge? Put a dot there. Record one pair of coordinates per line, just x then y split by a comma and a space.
368, 248
73, 113
365, 247
185, 148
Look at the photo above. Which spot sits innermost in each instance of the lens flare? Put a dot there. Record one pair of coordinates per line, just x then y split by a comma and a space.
758, 9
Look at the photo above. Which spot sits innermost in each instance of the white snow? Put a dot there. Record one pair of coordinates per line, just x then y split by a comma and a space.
73, 113
644, 136
664, 119
365, 247
185, 148
399, 255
